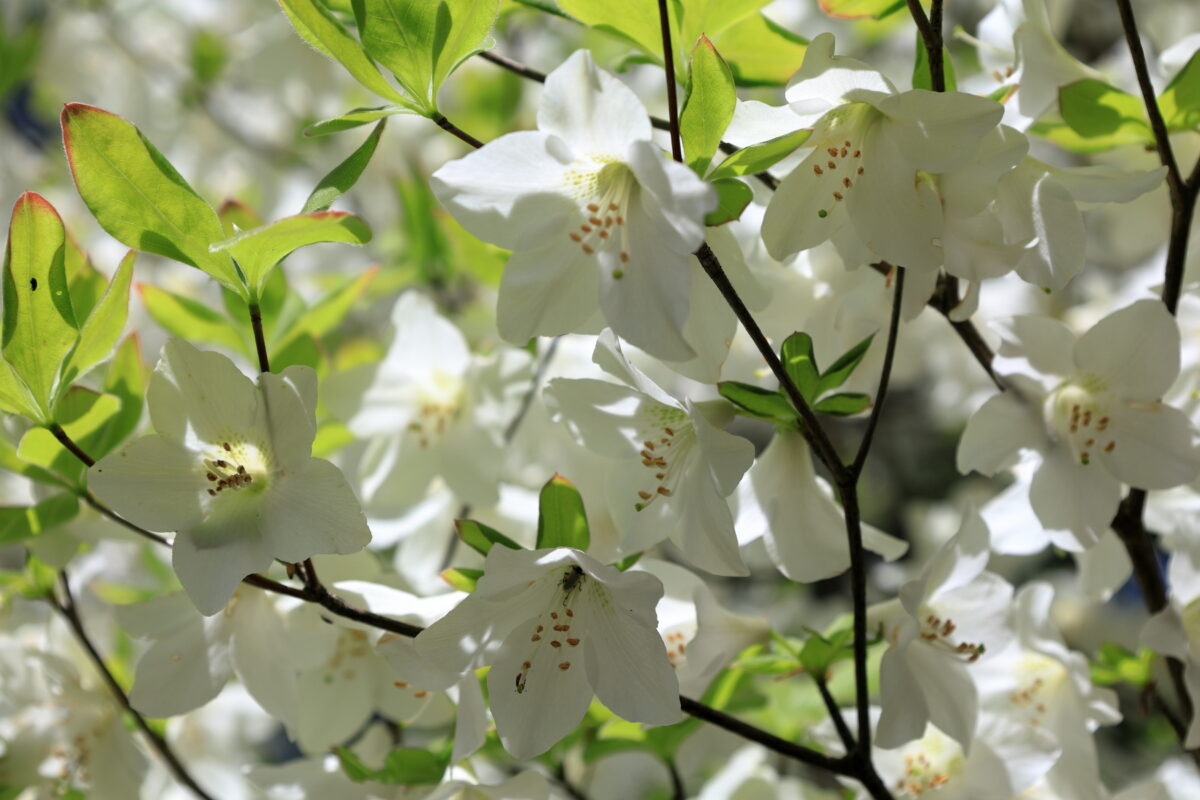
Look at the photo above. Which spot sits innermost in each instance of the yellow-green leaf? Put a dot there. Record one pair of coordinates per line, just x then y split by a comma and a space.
137, 196
707, 106
1180, 101
1099, 112
39, 324
105, 324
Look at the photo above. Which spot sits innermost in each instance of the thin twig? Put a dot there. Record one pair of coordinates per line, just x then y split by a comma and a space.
885, 374
664, 24
260, 340
67, 442
70, 612
770, 741
449, 126
835, 714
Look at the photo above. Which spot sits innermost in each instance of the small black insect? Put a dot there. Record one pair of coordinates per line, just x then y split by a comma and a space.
33, 284
572, 578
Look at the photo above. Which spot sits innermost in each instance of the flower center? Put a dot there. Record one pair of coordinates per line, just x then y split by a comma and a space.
1040, 677
663, 450
939, 633
1077, 413
232, 467
836, 159
929, 763
604, 202
439, 403
552, 627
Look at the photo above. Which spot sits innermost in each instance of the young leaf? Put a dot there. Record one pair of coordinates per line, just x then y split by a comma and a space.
39, 324
317, 26
404, 766
481, 537
422, 41
137, 196
707, 106
344, 175
462, 578
562, 521
1097, 111
354, 118
1114, 664
760, 52
732, 198
259, 250
126, 379
761, 156
326, 314
188, 319
1180, 101
18, 523
237, 216
839, 371
756, 401
105, 324
921, 77
843, 405
801, 364
633, 20
820, 653
87, 284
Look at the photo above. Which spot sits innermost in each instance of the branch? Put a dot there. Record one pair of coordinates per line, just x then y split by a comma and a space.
449, 126
66, 607
664, 24
260, 340
835, 713
885, 374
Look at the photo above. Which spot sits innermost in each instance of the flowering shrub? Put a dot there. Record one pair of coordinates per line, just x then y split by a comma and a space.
770, 399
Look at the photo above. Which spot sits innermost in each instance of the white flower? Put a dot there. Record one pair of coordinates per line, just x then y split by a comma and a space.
943, 622
793, 510
873, 150
1094, 417
595, 214
429, 408
231, 470
557, 626
676, 467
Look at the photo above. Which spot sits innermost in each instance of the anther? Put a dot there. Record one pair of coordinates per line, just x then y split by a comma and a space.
817, 169
564, 666
573, 642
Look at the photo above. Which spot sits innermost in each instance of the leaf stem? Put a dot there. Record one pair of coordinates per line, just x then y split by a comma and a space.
69, 443
664, 23
835, 713
450, 127
70, 613
889, 355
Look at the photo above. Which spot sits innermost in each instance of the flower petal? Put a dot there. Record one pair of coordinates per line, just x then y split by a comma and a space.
199, 391
996, 434
591, 110
512, 191
211, 558
803, 213
1066, 495
938, 131
1135, 350
1154, 446
313, 511
547, 290
672, 197
152, 482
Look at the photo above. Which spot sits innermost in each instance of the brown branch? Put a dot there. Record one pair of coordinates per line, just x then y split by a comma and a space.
664, 24
67, 608
450, 127
885, 374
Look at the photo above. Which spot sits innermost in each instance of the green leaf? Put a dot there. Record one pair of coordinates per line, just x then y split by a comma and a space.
82, 413
328, 312
354, 118
820, 653
462, 578
635, 21
207, 57
759, 157
344, 175
843, 405
921, 77
137, 196
18, 523
562, 521
707, 106
801, 364
105, 324
767, 664
188, 319
317, 26
628, 561
125, 379
1099, 112
1180, 101
481, 537
1114, 664
1053, 129
839, 371
15, 397
404, 766
756, 401
259, 250
236, 215
732, 198
87, 283
861, 9
713, 17
760, 52
39, 324
423, 41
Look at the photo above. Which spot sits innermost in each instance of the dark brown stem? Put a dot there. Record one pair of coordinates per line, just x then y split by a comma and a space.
95, 503
814, 434
885, 374
835, 714
848, 493
69, 443
664, 23
1157, 125
770, 741
678, 792
260, 339
67, 608
450, 127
